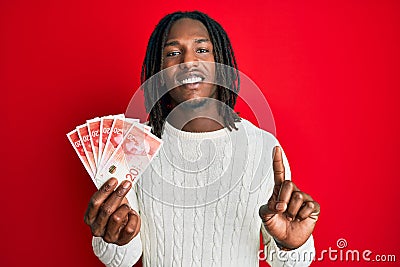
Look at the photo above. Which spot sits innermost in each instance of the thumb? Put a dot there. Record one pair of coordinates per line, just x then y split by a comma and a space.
272, 208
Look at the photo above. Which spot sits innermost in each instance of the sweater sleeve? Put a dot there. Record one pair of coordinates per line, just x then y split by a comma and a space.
117, 256
113, 255
299, 257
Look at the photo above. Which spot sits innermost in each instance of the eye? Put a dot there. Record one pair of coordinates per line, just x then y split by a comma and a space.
202, 50
173, 53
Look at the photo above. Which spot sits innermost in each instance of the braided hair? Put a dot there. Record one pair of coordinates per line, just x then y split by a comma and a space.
157, 104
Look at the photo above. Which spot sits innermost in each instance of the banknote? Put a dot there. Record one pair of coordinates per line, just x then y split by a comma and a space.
116, 135
114, 139
83, 133
128, 124
146, 128
76, 143
114, 146
94, 133
131, 157
106, 123
130, 121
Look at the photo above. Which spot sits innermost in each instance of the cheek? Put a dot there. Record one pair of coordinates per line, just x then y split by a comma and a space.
210, 88
168, 77
215, 92
175, 95
210, 71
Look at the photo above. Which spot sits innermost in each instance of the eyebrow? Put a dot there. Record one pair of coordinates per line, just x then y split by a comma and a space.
202, 40
197, 41
172, 43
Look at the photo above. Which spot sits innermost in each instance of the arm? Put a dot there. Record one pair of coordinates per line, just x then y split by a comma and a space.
276, 257
288, 219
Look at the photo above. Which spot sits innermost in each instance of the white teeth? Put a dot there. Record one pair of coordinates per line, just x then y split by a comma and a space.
191, 80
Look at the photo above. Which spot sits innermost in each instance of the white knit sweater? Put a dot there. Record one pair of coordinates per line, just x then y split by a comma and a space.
199, 201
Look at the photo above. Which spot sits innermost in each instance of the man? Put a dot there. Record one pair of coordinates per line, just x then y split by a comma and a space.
197, 201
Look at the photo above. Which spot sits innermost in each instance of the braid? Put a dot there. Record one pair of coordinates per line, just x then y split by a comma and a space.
158, 107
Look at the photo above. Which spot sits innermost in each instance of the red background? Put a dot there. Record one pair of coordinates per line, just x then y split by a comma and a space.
329, 69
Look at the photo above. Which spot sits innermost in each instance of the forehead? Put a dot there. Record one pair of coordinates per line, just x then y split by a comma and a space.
187, 27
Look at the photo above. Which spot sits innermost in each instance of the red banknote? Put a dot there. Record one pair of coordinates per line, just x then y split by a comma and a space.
114, 146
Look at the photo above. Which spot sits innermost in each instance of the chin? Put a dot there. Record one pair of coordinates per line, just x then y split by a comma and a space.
194, 103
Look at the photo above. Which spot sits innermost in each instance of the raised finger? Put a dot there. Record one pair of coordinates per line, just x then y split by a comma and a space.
279, 168
109, 207
116, 222
98, 199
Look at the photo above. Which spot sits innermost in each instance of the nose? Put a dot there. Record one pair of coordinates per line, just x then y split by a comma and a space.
189, 60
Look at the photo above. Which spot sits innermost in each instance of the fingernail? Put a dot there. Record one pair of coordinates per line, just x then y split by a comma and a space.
280, 206
276, 148
113, 182
126, 184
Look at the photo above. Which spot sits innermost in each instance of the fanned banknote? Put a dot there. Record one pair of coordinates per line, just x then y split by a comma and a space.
76, 143
106, 123
113, 140
131, 157
114, 146
94, 133
83, 133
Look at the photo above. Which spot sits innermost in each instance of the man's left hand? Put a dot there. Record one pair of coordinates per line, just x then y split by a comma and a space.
290, 214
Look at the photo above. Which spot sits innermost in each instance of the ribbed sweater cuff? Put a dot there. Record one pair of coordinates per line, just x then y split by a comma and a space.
299, 257
113, 255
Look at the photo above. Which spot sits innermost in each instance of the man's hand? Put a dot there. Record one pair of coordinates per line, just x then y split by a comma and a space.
290, 215
109, 214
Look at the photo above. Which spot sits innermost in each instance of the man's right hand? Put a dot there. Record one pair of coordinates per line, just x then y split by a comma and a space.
109, 215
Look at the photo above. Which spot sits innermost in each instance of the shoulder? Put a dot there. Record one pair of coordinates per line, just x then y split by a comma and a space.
263, 142
255, 133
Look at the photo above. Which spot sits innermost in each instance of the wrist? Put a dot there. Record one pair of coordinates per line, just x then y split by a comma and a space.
282, 246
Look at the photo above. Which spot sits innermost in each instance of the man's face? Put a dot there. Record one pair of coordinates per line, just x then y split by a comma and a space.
189, 49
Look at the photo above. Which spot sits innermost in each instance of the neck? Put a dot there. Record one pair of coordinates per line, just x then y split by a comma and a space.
196, 120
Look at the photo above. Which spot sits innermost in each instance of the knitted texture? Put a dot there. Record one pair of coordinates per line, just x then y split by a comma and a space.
199, 200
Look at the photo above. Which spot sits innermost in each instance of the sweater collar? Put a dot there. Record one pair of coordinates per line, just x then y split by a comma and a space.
172, 131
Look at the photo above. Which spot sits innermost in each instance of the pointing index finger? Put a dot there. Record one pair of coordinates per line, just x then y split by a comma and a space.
279, 168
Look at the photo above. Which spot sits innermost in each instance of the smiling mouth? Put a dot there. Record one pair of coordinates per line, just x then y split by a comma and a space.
191, 80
